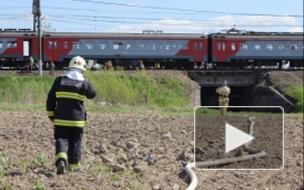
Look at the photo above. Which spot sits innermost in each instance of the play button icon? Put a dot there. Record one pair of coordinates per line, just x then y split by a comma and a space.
246, 138
235, 137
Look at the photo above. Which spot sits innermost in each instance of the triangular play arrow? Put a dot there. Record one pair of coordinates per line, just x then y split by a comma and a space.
235, 138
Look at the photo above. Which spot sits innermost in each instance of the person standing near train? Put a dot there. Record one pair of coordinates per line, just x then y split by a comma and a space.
31, 63
65, 108
223, 98
52, 68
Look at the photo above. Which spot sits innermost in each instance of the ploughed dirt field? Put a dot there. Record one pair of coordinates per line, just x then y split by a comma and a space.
267, 131
124, 142
130, 151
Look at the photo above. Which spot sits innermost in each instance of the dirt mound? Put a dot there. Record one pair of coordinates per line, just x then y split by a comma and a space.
281, 80
145, 152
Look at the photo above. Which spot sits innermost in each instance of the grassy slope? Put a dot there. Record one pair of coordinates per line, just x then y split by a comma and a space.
137, 92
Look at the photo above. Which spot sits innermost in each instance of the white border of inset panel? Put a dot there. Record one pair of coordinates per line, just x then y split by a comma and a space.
280, 107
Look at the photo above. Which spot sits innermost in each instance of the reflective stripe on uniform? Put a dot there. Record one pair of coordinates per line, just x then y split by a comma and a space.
50, 113
223, 99
74, 167
61, 155
69, 123
70, 95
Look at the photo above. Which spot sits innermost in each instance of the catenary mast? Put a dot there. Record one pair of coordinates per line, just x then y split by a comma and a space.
37, 19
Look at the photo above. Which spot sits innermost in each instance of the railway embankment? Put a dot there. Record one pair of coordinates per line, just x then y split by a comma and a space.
272, 89
287, 88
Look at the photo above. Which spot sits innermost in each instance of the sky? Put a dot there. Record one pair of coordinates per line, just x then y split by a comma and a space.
168, 16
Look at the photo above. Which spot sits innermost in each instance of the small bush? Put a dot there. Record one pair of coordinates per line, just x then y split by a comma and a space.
296, 92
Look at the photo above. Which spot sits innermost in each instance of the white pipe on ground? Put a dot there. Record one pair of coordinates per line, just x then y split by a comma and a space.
188, 168
254, 154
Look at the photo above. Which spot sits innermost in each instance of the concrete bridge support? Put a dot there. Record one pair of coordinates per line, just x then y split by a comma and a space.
248, 88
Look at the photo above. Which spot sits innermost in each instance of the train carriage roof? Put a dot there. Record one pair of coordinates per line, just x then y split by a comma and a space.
262, 37
243, 34
17, 33
123, 35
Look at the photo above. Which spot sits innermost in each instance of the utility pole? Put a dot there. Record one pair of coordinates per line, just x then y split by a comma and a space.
34, 12
37, 17
39, 40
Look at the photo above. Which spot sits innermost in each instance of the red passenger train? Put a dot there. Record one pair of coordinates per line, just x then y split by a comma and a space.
236, 48
229, 49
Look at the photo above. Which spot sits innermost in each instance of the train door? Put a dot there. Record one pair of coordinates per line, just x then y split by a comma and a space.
221, 49
27, 49
53, 46
198, 51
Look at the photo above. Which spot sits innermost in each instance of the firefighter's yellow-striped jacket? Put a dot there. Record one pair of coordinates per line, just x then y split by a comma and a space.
65, 102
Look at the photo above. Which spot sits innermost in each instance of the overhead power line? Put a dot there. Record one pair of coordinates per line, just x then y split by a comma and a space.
182, 10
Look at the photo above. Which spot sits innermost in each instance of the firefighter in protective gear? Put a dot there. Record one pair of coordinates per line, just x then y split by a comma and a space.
223, 99
65, 108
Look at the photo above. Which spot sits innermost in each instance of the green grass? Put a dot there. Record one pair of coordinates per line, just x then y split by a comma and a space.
138, 89
296, 92
138, 92
38, 185
23, 92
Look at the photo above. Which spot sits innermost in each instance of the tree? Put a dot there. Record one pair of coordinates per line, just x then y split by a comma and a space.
47, 27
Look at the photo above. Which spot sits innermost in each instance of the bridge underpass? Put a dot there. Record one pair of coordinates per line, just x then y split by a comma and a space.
248, 88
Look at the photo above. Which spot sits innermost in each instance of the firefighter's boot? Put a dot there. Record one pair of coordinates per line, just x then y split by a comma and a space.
60, 167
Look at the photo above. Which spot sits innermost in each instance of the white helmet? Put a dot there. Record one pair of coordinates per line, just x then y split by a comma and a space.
78, 62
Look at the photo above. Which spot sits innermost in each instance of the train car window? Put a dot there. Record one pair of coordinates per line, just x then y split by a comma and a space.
170, 45
65, 45
244, 46
143, 46
224, 46
90, 45
76, 45
269, 47
50, 44
128, 45
11, 44
102, 45
201, 46
182, 45
148, 46
218, 46
195, 46
1, 44
55, 45
117, 45
257, 46
153, 46
233, 46
158, 46
294, 47
281, 47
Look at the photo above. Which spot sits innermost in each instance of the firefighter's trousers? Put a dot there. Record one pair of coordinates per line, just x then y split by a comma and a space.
223, 101
68, 144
